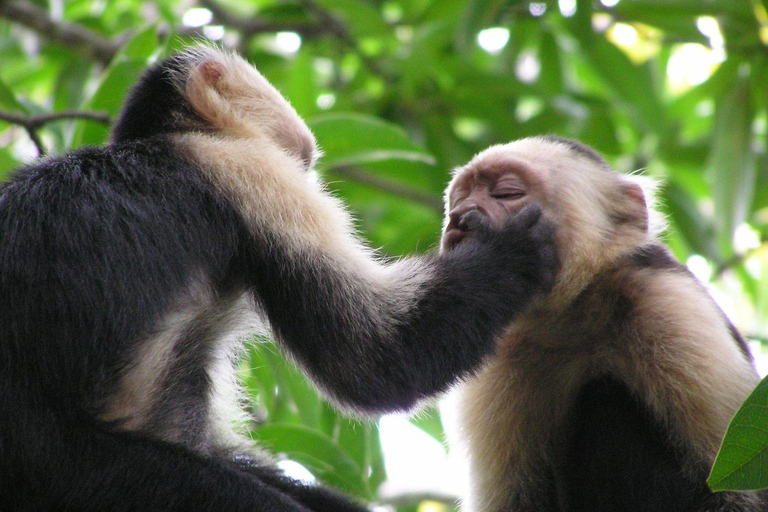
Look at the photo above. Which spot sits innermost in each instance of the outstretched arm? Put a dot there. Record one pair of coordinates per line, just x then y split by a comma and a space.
375, 336
385, 339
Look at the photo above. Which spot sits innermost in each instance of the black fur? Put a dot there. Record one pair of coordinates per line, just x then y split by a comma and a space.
612, 429
94, 249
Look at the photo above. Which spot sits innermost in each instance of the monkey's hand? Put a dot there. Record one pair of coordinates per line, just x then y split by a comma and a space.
525, 243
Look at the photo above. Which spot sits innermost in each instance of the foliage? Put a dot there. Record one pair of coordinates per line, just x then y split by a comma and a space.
401, 91
743, 456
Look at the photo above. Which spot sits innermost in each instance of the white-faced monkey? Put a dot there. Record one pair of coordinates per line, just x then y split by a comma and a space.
130, 273
614, 391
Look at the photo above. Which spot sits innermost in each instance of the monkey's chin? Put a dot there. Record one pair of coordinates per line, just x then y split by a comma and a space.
453, 238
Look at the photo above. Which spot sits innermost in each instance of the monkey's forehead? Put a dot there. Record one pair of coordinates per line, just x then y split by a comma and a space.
525, 156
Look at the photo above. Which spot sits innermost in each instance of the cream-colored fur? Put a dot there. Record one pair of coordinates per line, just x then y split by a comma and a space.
676, 351
258, 155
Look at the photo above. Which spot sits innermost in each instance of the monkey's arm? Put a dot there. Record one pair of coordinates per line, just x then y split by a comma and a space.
375, 336
617, 458
386, 340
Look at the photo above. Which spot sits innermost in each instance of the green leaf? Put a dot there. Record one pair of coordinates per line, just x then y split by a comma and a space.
477, 15
360, 17
7, 163
632, 84
430, 422
302, 86
109, 97
695, 229
691, 8
354, 139
8, 99
71, 83
141, 47
318, 453
731, 166
742, 462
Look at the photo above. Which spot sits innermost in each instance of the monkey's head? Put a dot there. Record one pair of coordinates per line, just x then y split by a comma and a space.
236, 99
599, 215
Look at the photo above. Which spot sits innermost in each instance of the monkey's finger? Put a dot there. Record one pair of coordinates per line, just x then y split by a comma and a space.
528, 216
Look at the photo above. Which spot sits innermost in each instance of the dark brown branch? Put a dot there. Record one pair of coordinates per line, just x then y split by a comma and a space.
36, 121
256, 25
32, 123
389, 186
71, 35
337, 28
739, 259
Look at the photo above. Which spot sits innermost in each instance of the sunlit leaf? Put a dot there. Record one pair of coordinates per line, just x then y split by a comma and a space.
353, 139
319, 453
7, 163
742, 462
8, 99
108, 98
731, 166
361, 18
429, 421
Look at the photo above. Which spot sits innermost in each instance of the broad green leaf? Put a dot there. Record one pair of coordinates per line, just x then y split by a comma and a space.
7, 163
354, 139
731, 166
695, 229
72, 83
8, 99
477, 15
302, 86
258, 377
353, 439
142, 46
109, 97
285, 409
377, 471
317, 452
632, 84
742, 462
430, 422
630, 9
361, 18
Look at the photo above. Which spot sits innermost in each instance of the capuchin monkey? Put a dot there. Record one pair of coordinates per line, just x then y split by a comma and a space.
130, 274
613, 392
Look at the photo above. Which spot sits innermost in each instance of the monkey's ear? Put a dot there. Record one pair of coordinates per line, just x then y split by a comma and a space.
635, 192
203, 94
637, 207
211, 72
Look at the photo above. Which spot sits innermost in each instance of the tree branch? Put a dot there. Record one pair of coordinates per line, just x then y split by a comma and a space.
71, 35
255, 25
739, 259
32, 123
392, 187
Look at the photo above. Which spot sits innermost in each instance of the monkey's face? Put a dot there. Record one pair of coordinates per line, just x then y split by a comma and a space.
599, 214
494, 188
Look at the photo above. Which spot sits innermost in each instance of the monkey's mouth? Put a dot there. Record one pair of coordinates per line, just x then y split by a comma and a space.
453, 237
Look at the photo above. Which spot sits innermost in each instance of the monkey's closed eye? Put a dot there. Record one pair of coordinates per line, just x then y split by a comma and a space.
508, 195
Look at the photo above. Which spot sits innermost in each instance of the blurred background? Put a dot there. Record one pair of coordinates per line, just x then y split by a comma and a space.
398, 93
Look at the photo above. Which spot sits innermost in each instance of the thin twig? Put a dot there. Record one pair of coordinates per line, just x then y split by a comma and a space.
37, 120
256, 25
32, 123
392, 187
68, 34
739, 258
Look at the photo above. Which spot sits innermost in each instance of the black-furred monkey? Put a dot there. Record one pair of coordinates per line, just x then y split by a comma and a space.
130, 273
613, 393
